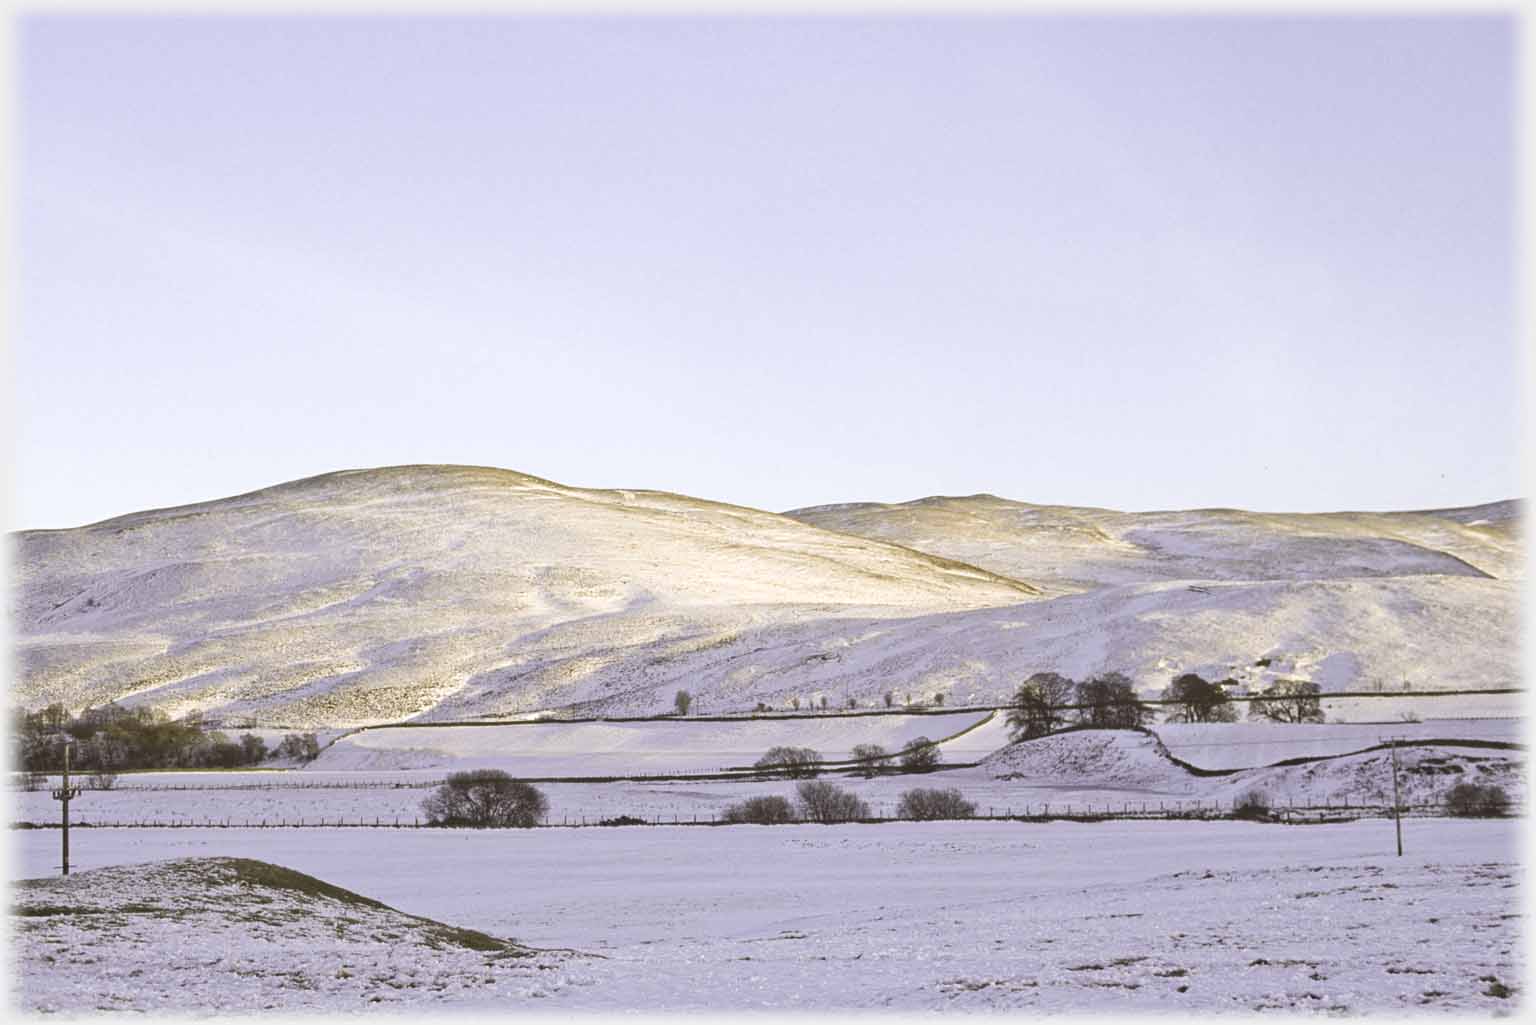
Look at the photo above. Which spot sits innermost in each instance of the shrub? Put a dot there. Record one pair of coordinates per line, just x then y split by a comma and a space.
622, 820
794, 762
1253, 805
303, 747
919, 755
682, 701
254, 749
890, 699
485, 797
924, 805
1474, 800
825, 803
870, 757
761, 811
103, 779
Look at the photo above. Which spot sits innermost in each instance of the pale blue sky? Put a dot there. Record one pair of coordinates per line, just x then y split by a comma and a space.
1133, 262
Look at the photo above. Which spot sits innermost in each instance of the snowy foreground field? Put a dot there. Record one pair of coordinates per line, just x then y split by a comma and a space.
1104, 917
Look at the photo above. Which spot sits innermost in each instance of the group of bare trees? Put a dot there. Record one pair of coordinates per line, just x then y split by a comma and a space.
485, 798
822, 802
112, 739
917, 755
1047, 702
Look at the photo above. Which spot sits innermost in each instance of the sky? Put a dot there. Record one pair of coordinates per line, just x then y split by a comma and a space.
1137, 262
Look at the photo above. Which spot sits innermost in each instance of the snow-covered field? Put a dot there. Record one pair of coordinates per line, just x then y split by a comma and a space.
1081, 771
1246, 745
1106, 917
610, 748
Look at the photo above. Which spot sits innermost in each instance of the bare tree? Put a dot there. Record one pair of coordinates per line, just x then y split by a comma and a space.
1037, 706
304, 747
1290, 701
825, 803
924, 805
763, 811
485, 797
919, 755
1110, 703
1196, 699
870, 757
794, 762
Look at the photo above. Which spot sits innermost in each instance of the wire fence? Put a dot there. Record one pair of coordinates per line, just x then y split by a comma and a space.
748, 774
1044, 812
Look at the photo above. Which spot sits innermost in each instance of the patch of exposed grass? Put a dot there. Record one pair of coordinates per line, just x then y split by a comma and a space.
51, 910
261, 873
472, 940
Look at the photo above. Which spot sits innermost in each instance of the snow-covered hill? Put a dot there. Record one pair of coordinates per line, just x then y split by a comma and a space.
443, 593
370, 596
1127, 760
1072, 548
233, 935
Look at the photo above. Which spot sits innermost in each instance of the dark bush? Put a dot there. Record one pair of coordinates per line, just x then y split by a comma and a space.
919, 755
872, 758
794, 762
1254, 805
485, 797
825, 803
1474, 800
924, 805
622, 820
304, 747
762, 811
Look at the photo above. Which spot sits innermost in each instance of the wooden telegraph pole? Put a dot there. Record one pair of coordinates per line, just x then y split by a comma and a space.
1397, 801
64, 794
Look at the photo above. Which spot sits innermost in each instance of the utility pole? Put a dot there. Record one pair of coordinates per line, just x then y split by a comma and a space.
1397, 803
64, 795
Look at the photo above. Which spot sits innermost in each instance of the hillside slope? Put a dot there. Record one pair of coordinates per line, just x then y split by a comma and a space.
229, 935
443, 593
1077, 549
368, 596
